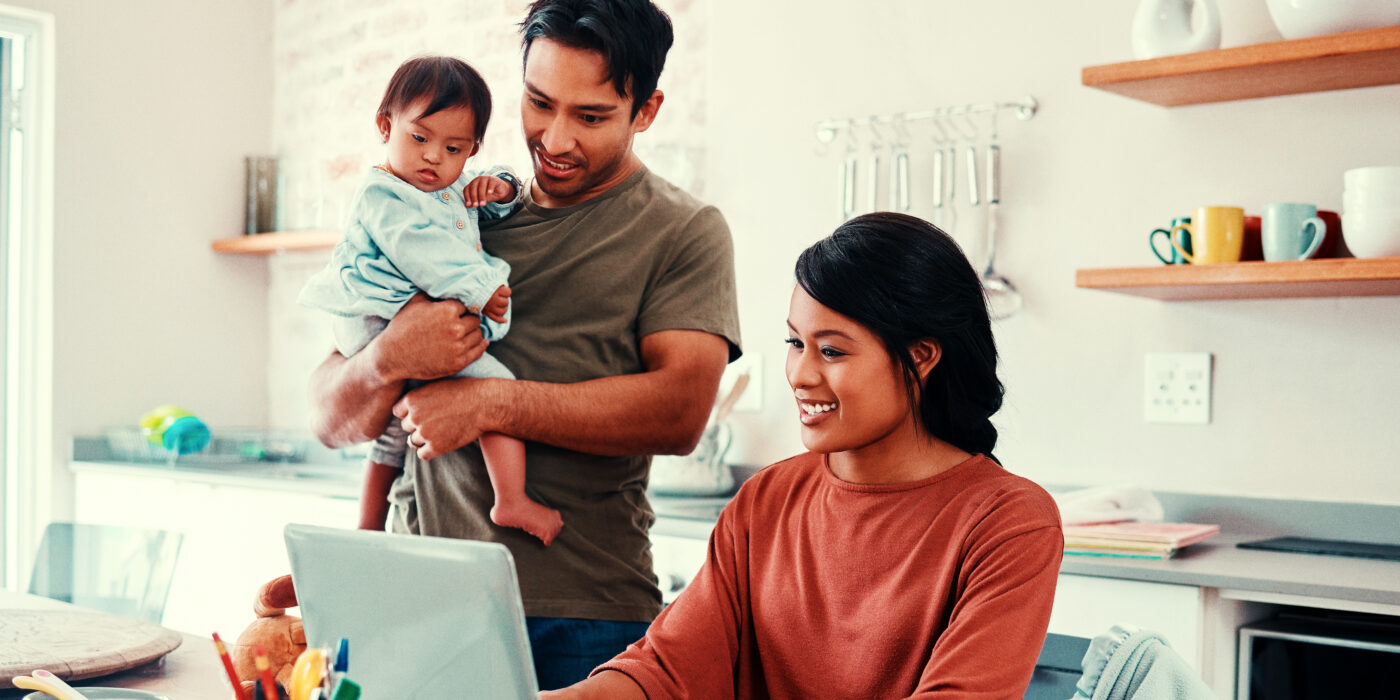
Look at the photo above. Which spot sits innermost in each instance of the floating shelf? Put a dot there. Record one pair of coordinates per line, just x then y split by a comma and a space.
278, 241
1364, 58
1336, 277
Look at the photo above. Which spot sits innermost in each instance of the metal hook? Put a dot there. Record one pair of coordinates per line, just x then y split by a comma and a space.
876, 140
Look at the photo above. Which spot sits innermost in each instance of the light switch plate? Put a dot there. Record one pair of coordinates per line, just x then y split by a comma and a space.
1177, 387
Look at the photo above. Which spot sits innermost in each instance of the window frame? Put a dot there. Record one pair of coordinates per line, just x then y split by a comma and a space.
27, 460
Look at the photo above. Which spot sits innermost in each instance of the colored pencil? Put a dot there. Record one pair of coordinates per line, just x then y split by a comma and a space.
228, 668
265, 671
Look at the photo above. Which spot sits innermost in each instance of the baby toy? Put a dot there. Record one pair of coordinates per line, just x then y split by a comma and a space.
280, 635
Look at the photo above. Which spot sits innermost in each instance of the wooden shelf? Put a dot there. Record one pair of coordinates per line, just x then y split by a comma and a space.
1364, 58
277, 241
1337, 277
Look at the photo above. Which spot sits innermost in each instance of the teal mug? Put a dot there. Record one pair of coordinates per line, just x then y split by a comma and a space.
1291, 231
1184, 239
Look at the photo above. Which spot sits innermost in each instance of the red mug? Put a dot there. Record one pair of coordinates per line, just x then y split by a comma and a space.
1330, 247
1253, 248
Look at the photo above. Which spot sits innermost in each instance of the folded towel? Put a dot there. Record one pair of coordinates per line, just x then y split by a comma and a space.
1108, 504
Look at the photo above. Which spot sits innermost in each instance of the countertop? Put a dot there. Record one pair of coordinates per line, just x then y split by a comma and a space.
1216, 563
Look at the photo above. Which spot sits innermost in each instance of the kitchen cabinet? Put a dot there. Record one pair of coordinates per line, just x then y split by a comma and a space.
1334, 277
232, 534
278, 241
1365, 58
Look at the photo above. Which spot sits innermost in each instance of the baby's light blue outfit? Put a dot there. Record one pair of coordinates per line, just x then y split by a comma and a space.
399, 241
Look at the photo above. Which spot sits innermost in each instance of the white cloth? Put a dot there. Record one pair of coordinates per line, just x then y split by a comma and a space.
1108, 504
1131, 663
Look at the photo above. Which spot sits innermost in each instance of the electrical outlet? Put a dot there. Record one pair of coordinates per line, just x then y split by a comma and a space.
1177, 387
751, 400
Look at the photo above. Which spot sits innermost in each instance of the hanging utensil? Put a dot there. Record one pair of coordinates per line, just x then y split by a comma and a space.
848, 181
872, 194
899, 169
938, 188
899, 181
1002, 298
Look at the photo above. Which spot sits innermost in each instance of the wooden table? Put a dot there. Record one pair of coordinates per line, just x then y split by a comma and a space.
191, 672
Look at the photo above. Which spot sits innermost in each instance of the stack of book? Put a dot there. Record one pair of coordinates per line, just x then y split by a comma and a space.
1135, 540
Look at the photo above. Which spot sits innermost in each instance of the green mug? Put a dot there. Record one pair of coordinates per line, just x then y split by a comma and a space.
1180, 236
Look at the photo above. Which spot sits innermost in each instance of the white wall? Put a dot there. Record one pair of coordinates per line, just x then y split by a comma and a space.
157, 102
1307, 392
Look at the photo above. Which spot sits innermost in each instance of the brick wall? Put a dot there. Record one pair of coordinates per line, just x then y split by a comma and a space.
331, 62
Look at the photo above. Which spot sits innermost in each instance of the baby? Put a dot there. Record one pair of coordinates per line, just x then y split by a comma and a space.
412, 228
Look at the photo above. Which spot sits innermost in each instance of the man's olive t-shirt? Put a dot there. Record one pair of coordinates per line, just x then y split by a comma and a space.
588, 282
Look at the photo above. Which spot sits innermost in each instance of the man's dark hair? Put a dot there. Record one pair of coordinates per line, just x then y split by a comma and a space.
632, 35
442, 80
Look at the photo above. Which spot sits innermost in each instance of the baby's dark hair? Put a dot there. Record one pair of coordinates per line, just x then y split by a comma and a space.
906, 280
443, 81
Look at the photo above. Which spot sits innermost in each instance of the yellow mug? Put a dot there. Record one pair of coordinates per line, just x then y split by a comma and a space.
1217, 235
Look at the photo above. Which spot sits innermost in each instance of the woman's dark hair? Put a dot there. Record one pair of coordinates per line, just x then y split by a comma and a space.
906, 280
445, 82
632, 35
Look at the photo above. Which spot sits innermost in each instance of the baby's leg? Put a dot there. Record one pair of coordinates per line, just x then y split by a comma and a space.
505, 464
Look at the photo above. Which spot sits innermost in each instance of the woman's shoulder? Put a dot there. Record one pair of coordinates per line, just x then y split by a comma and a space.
1000, 496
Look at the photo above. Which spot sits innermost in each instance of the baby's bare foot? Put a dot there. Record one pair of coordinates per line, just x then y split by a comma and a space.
529, 516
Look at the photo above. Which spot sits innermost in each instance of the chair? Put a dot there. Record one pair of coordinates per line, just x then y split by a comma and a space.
1058, 669
119, 570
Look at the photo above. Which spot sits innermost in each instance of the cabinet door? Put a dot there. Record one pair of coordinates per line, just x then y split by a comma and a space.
233, 538
1086, 606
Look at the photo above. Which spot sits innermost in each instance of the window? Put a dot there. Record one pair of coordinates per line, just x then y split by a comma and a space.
26, 284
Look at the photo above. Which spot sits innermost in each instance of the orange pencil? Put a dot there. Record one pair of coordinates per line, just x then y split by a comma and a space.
228, 668
265, 671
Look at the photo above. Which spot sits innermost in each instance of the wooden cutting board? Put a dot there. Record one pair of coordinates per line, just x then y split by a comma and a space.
75, 644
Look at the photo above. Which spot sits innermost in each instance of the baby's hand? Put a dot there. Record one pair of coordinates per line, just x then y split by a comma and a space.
498, 304
485, 189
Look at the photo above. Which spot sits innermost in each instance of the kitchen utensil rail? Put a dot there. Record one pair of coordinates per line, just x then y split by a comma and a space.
827, 130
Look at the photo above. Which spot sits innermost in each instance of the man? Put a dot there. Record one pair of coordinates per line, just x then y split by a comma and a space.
625, 315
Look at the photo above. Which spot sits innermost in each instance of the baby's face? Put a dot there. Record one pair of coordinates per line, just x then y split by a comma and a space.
429, 152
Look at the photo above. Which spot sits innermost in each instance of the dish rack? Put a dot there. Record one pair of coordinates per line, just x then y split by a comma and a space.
227, 446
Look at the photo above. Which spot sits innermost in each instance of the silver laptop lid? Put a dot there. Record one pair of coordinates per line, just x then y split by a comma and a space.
427, 617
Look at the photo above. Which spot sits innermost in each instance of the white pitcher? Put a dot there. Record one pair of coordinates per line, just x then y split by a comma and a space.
1163, 28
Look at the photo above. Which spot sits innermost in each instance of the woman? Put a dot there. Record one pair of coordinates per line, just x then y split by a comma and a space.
896, 558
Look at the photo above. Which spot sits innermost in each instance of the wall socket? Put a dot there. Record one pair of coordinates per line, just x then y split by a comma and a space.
1177, 387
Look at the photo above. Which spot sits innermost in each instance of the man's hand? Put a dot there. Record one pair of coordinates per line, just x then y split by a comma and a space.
443, 416
428, 340
498, 304
485, 189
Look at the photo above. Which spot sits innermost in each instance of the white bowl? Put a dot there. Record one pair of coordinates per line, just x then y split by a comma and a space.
1297, 19
1372, 233
1387, 176
1352, 201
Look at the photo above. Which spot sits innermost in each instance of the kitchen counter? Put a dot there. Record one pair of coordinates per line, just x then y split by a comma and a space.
1363, 584
1248, 573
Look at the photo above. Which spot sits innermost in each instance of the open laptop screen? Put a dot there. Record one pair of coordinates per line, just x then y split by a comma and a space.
427, 617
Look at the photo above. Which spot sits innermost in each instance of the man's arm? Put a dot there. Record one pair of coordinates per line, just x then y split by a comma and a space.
662, 410
351, 398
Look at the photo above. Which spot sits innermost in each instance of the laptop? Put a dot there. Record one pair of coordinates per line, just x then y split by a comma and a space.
426, 617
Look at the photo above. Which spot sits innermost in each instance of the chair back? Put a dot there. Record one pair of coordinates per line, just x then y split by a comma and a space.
1058, 669
120, 570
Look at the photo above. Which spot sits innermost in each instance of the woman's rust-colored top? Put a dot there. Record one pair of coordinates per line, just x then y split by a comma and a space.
819, 588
